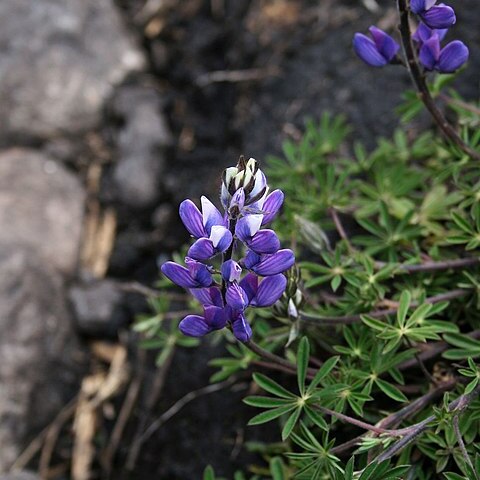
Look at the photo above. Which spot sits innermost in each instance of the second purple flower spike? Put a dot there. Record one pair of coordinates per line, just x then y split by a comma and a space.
378, 51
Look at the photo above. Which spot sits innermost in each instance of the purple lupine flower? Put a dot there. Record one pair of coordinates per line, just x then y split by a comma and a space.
218, 242
248, 206
196, 275
200, 224
424, 33
267, 265
446, 59
197, 326
265, 293
231, 271
260, 241
377, 51
434, 16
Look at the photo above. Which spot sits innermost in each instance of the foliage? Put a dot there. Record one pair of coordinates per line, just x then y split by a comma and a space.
381, 322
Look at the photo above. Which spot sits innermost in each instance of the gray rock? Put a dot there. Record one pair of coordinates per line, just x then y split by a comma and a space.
141, 145
98, 308
41, 205
40, 356
60, 61
23, 475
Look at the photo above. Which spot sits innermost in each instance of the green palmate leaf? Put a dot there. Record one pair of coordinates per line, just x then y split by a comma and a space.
324, 370
303, 355
453, 476
266, 402
316, 418
290, 423
349, 469
373, 322
270, 415
405, 300
391, 391
462, 341
271, 386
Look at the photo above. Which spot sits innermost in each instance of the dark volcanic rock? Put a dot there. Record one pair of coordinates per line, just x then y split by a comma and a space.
98, 308
60, 61
39, 367
41, 205
141, 145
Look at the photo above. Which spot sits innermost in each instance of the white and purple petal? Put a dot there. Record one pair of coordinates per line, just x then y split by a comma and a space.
211, 215
236, 297
241, 329
221, 238
269, 291
272, 205
202, 249
248, 226
366, 49
208, 296
192, 219
231, 271
439, 16
194, 326
452, 57
264, 241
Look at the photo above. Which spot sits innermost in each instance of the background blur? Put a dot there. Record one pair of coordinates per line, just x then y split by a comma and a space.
112, 112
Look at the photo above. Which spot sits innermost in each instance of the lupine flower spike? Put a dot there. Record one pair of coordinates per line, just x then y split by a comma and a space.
434, 16
378, 51
445, 60
248, 207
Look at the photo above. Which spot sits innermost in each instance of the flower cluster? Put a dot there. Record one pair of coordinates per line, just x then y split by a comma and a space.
224, 294
435, 20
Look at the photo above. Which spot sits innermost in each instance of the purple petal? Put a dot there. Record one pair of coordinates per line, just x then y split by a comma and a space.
221, 238
194, 326
199, 272
423, 33
417, 6
231, 271
179, 275
270, 290
366, 49
241, 329
211, 215
260, 184
276, 263
202, 249
248, 226
440, 16
236, 297
249, 284
386, 45
272, 205
430, 52
251, 259
264, 241
215, 317
208, 296
192, 219
453, 56
429, 4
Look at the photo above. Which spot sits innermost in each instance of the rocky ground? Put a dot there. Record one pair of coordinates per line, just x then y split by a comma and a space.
112, 113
